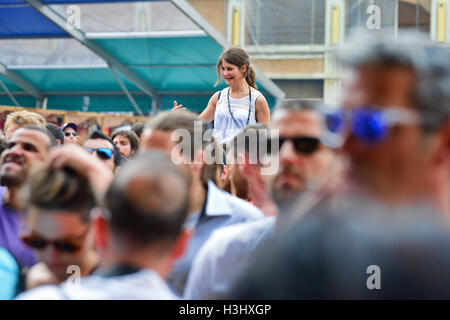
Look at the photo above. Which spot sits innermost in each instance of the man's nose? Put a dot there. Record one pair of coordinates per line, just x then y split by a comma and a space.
16, 150
288, 155
52, 254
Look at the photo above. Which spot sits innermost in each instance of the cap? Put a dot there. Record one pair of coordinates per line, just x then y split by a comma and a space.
69, 124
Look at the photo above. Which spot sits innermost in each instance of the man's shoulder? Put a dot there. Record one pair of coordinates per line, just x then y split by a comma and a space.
145, 285
238, 237
243, 232
47, 292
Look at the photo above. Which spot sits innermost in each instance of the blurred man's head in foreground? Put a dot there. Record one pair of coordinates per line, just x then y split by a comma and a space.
59, 202
145, 208
305, 161
396, 94
187, 141
250, 147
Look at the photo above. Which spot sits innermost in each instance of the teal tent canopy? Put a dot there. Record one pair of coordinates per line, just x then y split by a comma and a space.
110, 56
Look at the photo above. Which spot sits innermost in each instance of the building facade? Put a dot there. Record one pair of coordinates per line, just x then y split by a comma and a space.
291, 40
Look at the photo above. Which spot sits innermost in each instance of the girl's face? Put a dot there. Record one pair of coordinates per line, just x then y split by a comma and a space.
232, 73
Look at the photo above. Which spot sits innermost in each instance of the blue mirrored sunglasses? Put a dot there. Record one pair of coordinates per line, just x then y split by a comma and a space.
102, 153
370, 124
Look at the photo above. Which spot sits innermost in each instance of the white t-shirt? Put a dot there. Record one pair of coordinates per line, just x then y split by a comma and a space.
225, 129
145, 284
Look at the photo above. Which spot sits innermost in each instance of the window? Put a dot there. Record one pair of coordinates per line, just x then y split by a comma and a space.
357, 16
285, 22
414, 14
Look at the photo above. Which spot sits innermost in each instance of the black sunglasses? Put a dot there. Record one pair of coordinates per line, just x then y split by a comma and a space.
39, 243
102, 153
70, 133
303, 145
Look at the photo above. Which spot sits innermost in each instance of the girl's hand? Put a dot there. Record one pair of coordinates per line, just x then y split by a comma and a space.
177, 107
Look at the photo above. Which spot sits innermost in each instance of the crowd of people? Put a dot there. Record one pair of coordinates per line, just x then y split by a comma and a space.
163, 212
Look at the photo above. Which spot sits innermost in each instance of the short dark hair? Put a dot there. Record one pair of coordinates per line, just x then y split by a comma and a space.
130, 135
100, 135
137, 128
3, 144
186, 120
153, 211
55, 131
59, 189
260, 131
209, 170
297, 105
53, 142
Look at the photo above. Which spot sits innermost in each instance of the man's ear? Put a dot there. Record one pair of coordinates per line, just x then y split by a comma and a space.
101, 229
447, 138
243, 162
177, 250
199, 160
181, 244
443, 155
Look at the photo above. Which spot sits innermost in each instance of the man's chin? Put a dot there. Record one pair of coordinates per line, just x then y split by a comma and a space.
285, 194
12, 180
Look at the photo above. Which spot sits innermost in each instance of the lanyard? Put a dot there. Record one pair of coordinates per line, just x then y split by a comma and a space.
249, 109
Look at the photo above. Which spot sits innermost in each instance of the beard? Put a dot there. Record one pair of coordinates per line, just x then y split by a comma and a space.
284, 197
286, 192
13, 179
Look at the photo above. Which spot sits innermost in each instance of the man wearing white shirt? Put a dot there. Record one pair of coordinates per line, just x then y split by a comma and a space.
303, 161
136, 232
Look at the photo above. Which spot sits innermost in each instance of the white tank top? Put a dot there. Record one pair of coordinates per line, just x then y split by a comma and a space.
225, 129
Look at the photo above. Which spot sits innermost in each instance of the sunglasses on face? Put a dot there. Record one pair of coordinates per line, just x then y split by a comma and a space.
39, 243
68, 134
102, 153
303, 145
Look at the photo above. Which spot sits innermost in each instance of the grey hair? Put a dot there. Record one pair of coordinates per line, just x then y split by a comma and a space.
429, 61
295, 105
320, 109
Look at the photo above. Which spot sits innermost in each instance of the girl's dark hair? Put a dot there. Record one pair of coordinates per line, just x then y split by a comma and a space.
238, 57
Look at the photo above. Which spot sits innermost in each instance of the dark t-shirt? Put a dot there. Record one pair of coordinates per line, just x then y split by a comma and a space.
10, 225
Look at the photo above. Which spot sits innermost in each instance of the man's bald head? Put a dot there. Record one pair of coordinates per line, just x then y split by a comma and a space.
148, 201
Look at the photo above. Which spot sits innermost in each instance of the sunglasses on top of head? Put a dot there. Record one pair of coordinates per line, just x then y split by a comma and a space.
102, 153
38, 243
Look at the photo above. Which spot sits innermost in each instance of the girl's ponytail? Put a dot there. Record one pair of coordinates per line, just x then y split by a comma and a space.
250, 77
